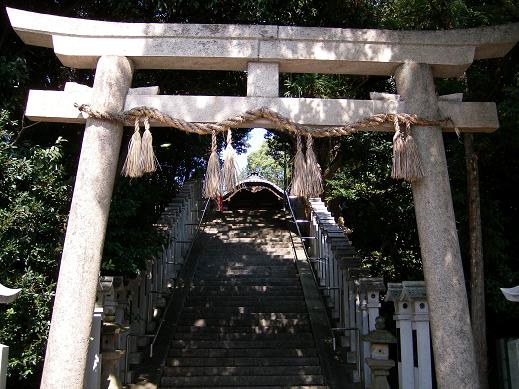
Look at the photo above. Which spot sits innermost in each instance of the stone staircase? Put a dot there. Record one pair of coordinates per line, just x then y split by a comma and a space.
244, 323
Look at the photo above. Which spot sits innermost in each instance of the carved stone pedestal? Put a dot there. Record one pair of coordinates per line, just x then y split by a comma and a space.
379, 371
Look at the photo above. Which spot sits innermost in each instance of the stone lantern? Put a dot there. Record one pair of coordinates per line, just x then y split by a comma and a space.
7, 295
379, 362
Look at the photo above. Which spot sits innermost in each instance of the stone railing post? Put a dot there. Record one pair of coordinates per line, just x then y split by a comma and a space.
368, 291
411, 314
403, 317
354, 303
93, 367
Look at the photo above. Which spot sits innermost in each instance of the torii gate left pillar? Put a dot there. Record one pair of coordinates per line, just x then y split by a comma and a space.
67, 347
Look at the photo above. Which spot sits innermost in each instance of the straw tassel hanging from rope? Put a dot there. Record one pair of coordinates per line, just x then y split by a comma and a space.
230, 166
133, 164
212, 176
149, 161
406, 160
314, 181
298, 175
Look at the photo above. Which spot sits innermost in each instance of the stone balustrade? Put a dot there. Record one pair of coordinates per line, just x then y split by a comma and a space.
351, 295
414, 340
128, 310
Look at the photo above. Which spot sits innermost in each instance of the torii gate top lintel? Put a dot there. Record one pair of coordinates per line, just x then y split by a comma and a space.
79, 43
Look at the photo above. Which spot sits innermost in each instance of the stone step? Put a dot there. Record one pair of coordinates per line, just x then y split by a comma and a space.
245, 260
221, 330
242, 265
290, 277
258, 316
241, 275
253, 249
271, 232
189, 336
244, 240
246, 290
242, 322
230, 261
246, 344
224, 370
266, 380
248, 273
250, 309
256, 226
243, 352
245, 272
240, 237
254, 242
292, 281
244, 361
248, 387
240, 300
271, 255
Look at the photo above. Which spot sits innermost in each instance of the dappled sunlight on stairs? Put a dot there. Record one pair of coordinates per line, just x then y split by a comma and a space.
244, 323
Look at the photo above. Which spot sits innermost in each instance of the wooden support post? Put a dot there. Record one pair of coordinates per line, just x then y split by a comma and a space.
67, 347
445, 283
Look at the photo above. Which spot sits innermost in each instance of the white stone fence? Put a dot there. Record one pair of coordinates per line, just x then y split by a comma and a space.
353, 300
413, 333
129, 311
352, 297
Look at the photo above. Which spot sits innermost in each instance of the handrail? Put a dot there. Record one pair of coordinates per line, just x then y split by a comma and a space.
163, 318
316, 280
295, 221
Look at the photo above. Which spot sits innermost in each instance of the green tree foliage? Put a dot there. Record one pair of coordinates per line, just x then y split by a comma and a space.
268, 163
377, 208
33, 200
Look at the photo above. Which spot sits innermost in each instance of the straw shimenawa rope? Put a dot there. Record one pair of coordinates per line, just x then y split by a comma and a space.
281, 122
306, 177
212, 176
133, 164
230, 171
299, 181
406, 161
149, 161
313, 177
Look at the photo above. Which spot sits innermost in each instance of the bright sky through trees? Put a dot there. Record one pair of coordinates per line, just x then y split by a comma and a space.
256, 139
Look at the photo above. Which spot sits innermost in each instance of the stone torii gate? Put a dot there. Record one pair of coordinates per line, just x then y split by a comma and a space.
117, 49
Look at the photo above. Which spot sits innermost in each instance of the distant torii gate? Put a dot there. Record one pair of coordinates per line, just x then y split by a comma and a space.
116, 49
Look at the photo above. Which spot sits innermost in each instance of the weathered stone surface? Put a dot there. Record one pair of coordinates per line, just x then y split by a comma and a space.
67, 346
51, 106
262, 79
78, 43
449, 314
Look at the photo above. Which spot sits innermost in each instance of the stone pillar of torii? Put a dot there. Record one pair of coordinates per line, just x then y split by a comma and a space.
116, 50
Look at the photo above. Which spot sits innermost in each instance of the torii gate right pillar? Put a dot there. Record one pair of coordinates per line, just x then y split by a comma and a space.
452, 339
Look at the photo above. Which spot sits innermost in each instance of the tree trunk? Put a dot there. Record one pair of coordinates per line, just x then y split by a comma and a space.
477, 282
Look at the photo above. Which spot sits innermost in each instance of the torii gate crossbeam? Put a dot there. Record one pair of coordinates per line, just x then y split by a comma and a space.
413, 57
